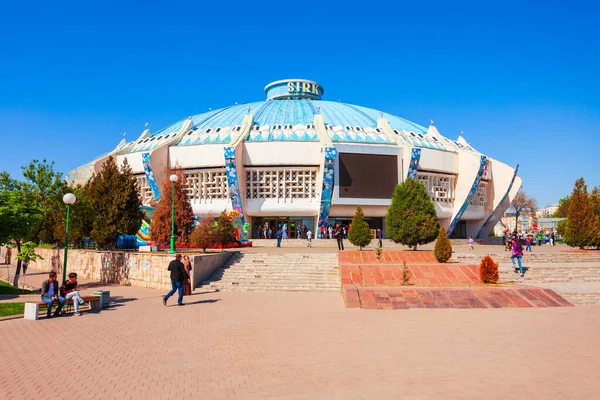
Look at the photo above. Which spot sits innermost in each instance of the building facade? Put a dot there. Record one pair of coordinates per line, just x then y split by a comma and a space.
299, 160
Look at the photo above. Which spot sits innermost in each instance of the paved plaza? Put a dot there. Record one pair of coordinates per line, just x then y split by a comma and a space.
298, 346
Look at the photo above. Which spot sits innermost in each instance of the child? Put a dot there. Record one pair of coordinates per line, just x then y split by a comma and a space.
471, 241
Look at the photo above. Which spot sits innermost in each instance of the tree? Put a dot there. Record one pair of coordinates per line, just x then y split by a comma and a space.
113, 197
563, 208
523, 203
360, 234
411, 218
442, 251
579, 231
184, 215
488, 270
18, 217
204, 233
81, 221
595, 209
224, 230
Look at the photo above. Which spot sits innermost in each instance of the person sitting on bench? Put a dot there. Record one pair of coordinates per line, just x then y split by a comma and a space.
69, 291
50, 295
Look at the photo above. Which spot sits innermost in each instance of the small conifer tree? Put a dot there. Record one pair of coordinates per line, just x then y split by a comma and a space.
224, 230
442, 250
360, 234
203, 234
411, 218
579, 231
488, 270
160, 230
595, 209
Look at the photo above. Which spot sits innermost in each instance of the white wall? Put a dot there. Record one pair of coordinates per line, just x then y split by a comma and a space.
134, 160
199, 156
438, 160
211, 207
280, 207
282, 153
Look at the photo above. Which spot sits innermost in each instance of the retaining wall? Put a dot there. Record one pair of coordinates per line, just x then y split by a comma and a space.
146, 270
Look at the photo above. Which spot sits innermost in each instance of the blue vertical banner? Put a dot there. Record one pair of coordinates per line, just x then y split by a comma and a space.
499, 206
327, 189
474, 187
150, 176
413, 167
234, 188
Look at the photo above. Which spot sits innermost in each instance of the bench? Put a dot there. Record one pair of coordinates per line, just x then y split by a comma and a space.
32, 309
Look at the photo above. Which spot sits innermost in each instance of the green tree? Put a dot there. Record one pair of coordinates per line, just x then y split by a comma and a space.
184, 215
360, 234
81, 221
113, 197
224, 230
28, 253
203, 234
411, 218
442, 251
18, 217
579, 231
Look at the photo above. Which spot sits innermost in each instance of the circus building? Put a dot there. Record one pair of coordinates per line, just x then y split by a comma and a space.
299, 160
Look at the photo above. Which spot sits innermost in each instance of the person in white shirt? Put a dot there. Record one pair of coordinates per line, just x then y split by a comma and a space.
309, 237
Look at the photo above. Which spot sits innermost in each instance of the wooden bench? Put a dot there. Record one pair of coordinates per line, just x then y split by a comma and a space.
32, 308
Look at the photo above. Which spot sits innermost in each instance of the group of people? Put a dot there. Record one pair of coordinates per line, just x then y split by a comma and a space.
52, 293
180, 279
330, 231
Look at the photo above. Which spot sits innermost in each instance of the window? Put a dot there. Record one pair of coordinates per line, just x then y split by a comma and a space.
208, 130
440, 187
480, 197
218, 130
206, 184
281, 183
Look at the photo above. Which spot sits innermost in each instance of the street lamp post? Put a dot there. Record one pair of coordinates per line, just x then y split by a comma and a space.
68, 199
173, 179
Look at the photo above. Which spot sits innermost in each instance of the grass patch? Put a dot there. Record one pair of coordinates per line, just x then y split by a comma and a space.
7, 309
6, 288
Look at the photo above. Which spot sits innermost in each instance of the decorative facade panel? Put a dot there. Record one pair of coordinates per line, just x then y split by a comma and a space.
480, 197
206, 184
439, 187
144, 190
281, 183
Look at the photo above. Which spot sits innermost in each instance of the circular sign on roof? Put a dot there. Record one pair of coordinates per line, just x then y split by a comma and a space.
288, 89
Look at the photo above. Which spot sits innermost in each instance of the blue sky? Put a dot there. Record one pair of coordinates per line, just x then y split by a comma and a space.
520, 78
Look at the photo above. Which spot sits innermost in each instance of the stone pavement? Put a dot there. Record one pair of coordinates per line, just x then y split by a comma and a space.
299, 346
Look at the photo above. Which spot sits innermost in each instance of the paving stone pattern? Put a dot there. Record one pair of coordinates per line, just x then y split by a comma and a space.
420, 275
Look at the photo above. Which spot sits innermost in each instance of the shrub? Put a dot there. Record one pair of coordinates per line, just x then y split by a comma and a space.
224, 230
488, 270
204, 234
360, 234
405, 274
411, 218
442, 250
378, 252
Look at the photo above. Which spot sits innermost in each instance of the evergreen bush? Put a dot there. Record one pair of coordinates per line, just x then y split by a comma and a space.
203, 234
224, 230
411, 219
488, 270
580, 228
360, 234
442, 250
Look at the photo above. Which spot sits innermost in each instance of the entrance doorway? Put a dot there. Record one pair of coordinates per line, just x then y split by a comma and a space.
296, 226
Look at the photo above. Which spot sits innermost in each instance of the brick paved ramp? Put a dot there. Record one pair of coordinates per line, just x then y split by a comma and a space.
425, 275
238, 345
389, 298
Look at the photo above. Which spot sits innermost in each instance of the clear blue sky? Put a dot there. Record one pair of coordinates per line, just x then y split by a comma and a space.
520, 78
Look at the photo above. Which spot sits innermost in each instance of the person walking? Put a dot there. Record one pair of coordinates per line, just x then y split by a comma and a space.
471, 242
517, 253
7, 255
309, 237
330, 231
380, 237
178, 276
322, 231
187, 285
539, 239
339, 235
552, 238
279, 235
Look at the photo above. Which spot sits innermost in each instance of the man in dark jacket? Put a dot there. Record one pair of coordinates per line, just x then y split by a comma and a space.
178, 276
50, 294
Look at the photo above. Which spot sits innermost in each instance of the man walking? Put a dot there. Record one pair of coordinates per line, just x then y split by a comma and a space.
50, 295
309, 237
279, 235
380, 237
339, 235
528, 243
178, 277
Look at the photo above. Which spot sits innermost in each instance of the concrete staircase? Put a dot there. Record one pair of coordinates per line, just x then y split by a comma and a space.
529, 257
270, 272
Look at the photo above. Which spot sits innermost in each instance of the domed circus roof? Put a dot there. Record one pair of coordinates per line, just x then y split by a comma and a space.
288, 114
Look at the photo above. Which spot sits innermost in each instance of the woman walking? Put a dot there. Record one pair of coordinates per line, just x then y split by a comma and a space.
187, 285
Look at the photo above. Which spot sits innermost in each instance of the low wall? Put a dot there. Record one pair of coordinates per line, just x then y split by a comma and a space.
146, 270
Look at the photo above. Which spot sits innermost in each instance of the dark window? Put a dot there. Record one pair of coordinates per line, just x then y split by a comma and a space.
368, 176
